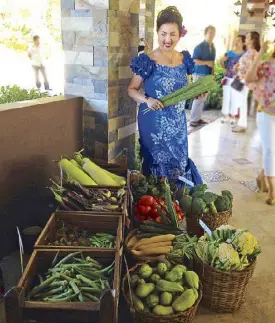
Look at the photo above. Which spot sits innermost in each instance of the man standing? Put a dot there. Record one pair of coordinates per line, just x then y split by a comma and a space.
204, 57
36, 58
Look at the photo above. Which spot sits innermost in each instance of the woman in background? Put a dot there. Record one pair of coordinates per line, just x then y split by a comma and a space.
163, 131
231, 97
252, 42
262, 75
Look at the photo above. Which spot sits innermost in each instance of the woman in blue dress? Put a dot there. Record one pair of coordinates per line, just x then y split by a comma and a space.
163, 131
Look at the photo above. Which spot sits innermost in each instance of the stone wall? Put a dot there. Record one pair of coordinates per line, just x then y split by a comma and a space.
256, 21
100, 38
147, 20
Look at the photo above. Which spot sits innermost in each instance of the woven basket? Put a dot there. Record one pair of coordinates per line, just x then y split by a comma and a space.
144, 317
213, 221
223, 291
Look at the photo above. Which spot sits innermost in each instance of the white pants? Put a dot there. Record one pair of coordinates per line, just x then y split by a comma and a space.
266, 126
198, 104
230, 104
240, 103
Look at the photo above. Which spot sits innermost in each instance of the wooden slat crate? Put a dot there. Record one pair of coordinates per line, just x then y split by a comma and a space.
88, 312
99, 223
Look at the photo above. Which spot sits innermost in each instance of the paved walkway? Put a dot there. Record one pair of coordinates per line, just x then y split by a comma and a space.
231, 161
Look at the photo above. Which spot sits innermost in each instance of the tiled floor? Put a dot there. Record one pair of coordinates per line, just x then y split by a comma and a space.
232, 161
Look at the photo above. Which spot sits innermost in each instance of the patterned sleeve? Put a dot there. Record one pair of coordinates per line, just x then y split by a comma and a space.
188, 62
143, 66
263, 70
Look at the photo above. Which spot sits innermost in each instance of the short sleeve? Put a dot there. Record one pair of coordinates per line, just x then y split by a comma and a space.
197, 52
188, 62
143, 66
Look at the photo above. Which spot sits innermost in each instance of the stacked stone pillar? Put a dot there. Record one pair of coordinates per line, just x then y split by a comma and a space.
100, 38
254, 21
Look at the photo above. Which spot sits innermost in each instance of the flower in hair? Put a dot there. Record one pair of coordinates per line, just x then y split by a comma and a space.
183, 31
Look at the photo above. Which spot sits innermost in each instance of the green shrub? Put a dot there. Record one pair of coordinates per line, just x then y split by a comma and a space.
214, 98
14, 93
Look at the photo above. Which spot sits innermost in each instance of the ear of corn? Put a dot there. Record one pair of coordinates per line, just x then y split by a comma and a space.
97, 173
75, 173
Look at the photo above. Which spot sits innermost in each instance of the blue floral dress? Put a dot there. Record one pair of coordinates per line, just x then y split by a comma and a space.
163, 134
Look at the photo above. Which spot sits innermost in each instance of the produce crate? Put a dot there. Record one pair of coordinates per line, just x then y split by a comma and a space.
88, 312
92, 223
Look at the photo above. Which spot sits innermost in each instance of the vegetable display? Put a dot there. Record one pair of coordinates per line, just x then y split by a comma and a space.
155, 209
162, 211
72, 279
150, 185
228, 248
85, 172
150, 245
163, 289
75, 197
189, 92
69, 235
199, 200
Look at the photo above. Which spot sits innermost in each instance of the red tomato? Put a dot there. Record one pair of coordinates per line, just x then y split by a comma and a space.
154, 213
147, 200
177, 208
158, 219
144, 210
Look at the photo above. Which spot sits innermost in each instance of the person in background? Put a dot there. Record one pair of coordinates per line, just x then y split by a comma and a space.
252, 42
262, 75
143, 46
204, 57
231, 97
163, 131
37, 62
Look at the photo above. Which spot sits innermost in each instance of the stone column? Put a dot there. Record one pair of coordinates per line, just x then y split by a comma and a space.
256, 21
147, 20
100, 37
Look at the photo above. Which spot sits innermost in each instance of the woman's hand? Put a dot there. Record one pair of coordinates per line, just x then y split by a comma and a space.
154, 104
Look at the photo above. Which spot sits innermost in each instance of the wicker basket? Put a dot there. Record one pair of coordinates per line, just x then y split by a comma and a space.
145, 317
223, 291
213, 221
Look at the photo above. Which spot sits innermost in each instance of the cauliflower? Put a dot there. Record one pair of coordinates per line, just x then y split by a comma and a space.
227, 255
225, 227
245, 242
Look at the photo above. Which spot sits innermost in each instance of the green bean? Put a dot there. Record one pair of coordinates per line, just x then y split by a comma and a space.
91, 297
65, 299
43, 285
68, 257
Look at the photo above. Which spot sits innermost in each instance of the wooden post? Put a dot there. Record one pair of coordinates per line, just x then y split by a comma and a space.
12, 305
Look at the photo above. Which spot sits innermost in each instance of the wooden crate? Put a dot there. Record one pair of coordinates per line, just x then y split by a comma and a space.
99, 223
88, 312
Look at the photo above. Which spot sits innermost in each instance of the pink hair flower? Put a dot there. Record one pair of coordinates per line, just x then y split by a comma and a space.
183, 31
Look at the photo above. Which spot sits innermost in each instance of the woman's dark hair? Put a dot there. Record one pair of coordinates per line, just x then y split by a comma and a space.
169, 15
255, 37
243, 41
209, 28
36, 37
